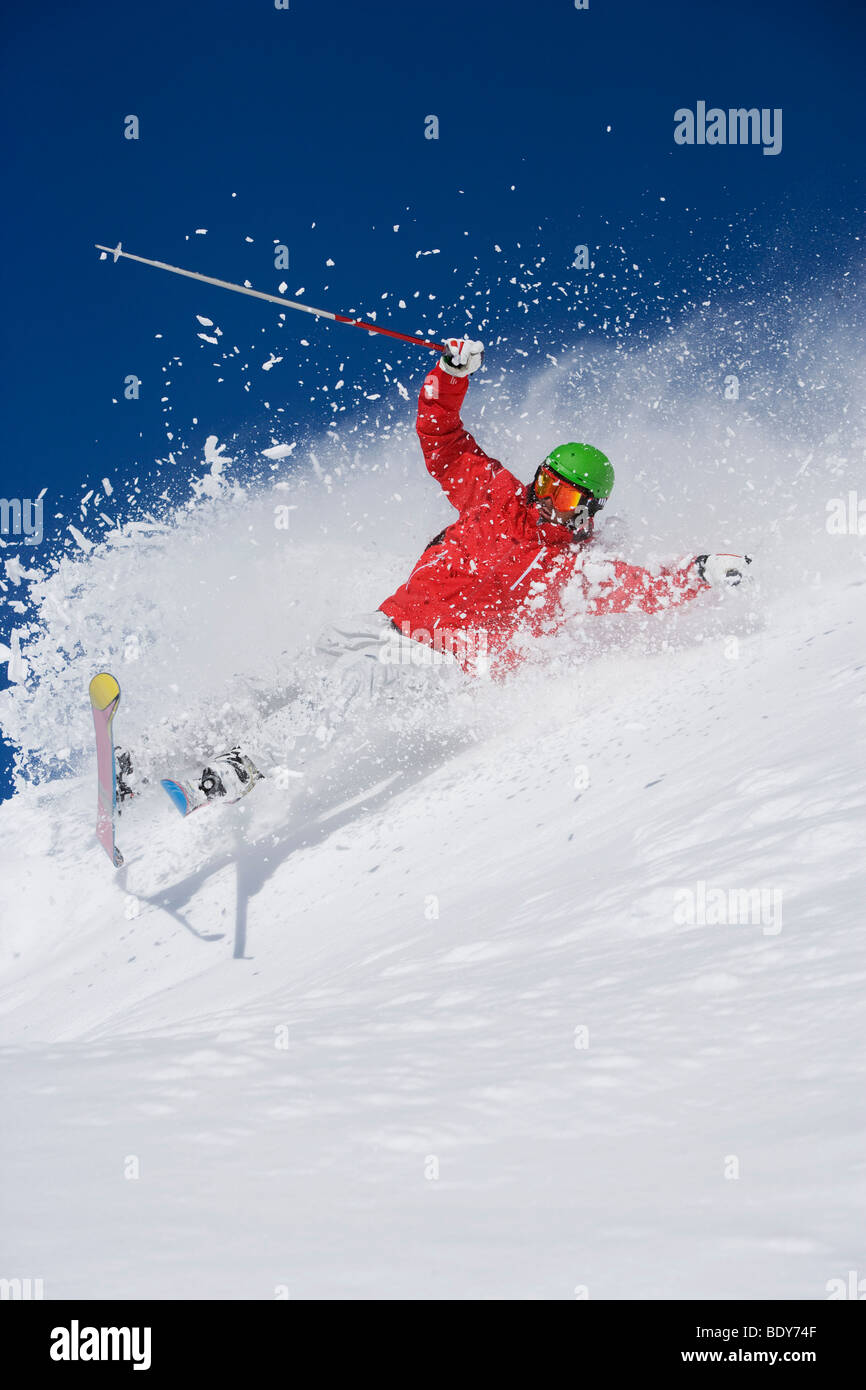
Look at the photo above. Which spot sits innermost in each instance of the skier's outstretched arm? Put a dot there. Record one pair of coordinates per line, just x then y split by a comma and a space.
453, 458
613, 586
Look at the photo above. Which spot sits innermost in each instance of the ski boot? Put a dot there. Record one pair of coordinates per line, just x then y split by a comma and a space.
124, 777
226, 778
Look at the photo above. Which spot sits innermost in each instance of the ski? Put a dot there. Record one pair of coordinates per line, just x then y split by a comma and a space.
104, 699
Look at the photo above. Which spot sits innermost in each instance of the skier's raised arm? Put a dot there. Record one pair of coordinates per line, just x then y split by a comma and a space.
453, 458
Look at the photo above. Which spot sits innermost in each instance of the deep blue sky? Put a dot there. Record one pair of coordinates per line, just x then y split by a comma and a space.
316, 114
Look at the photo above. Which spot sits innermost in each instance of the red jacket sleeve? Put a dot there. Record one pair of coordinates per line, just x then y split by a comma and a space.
613, 586
462, 469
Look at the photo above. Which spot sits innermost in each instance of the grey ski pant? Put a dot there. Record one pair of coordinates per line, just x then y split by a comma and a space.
368, 658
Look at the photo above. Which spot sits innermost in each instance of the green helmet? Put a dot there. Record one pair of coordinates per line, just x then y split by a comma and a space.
585, 466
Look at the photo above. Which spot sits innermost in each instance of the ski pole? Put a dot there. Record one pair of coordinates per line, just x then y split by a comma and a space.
116, 251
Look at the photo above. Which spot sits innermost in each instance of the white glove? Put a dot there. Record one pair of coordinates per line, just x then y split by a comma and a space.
723, 570
461, 357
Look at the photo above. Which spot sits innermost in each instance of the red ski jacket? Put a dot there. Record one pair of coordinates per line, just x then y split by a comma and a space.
499, 570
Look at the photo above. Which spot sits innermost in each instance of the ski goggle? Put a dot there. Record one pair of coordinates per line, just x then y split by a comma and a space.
565, 496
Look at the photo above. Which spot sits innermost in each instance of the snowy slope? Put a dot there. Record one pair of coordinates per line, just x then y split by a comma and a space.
413, 1035
432, 1020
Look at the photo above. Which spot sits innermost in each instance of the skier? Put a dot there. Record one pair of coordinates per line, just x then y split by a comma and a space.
496, 574
500, 570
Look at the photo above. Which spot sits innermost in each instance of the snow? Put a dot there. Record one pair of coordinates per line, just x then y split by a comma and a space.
279, 451
442, 1010
80, 539
15, 571
17, 669
432, 951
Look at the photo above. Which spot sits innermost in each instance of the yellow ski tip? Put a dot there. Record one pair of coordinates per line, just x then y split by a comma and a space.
103, 689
